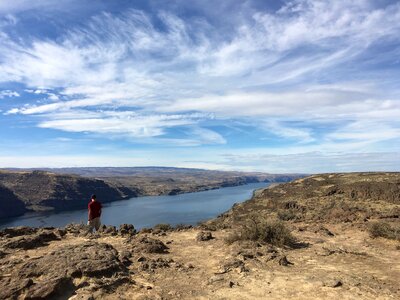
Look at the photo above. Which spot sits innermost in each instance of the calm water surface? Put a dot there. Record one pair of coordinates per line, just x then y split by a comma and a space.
148, 211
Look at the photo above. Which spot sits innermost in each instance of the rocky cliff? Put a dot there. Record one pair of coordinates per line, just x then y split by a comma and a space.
38, 190
10, 204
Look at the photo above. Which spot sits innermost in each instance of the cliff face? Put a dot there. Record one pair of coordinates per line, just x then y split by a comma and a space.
10, 205
38, 190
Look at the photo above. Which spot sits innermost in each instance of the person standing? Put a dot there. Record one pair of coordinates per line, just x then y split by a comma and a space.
94, 213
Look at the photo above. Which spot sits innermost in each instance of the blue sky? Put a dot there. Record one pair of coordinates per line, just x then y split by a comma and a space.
274, 86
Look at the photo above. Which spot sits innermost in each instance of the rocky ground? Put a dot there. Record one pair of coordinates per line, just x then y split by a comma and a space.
330, 258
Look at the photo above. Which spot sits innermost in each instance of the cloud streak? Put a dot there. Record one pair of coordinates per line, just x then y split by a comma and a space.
306, 74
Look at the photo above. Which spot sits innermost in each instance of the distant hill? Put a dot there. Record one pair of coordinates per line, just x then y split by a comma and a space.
161, 172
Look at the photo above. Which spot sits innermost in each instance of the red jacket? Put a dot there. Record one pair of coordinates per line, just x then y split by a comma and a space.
94, 208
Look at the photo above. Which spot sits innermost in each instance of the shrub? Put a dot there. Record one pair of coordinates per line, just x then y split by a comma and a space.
163, 227
146, 230
182, 227
286, 215
256, 229
385, 230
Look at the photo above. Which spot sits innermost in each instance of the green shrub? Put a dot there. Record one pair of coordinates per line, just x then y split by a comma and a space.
385, 230
256, 229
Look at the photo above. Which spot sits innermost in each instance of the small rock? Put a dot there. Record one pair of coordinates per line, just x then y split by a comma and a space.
215, 278
243, 269
326, 231
247, 256
334, 283
231, 284
204, 236
283, 261
149, 245
124, 257
178, 265
338, 283
236, 263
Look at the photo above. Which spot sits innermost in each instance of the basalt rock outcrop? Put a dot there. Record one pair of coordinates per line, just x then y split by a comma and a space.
341, 197
38, 191
10, 204
56, 274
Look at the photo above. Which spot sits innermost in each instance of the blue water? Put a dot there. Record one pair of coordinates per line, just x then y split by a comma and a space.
142, 212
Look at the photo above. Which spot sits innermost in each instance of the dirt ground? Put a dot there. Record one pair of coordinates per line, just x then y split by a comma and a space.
348, 265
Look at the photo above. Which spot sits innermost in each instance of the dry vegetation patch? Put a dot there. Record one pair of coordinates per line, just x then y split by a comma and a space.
255, 228
385, 230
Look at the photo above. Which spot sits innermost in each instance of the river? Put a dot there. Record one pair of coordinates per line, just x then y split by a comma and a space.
148, 211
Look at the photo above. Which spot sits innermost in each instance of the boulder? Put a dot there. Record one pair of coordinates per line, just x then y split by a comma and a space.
32, 241
51, 276
17, 231
149, 245
283, 261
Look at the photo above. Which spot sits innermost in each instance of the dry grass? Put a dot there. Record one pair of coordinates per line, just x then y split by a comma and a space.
385, 230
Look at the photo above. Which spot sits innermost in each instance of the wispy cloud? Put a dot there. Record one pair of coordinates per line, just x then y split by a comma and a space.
314, 162
309, 73
8, 94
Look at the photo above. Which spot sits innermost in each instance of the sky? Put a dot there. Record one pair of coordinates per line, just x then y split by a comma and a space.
302, 86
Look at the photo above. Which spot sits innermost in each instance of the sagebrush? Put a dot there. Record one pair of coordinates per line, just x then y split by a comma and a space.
385, 230
269, 231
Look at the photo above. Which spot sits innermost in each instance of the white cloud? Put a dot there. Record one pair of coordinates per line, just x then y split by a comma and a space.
8, 94
17, 6
366, 131
274, 69
300, 105
316, 162
130, 124
303, 135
